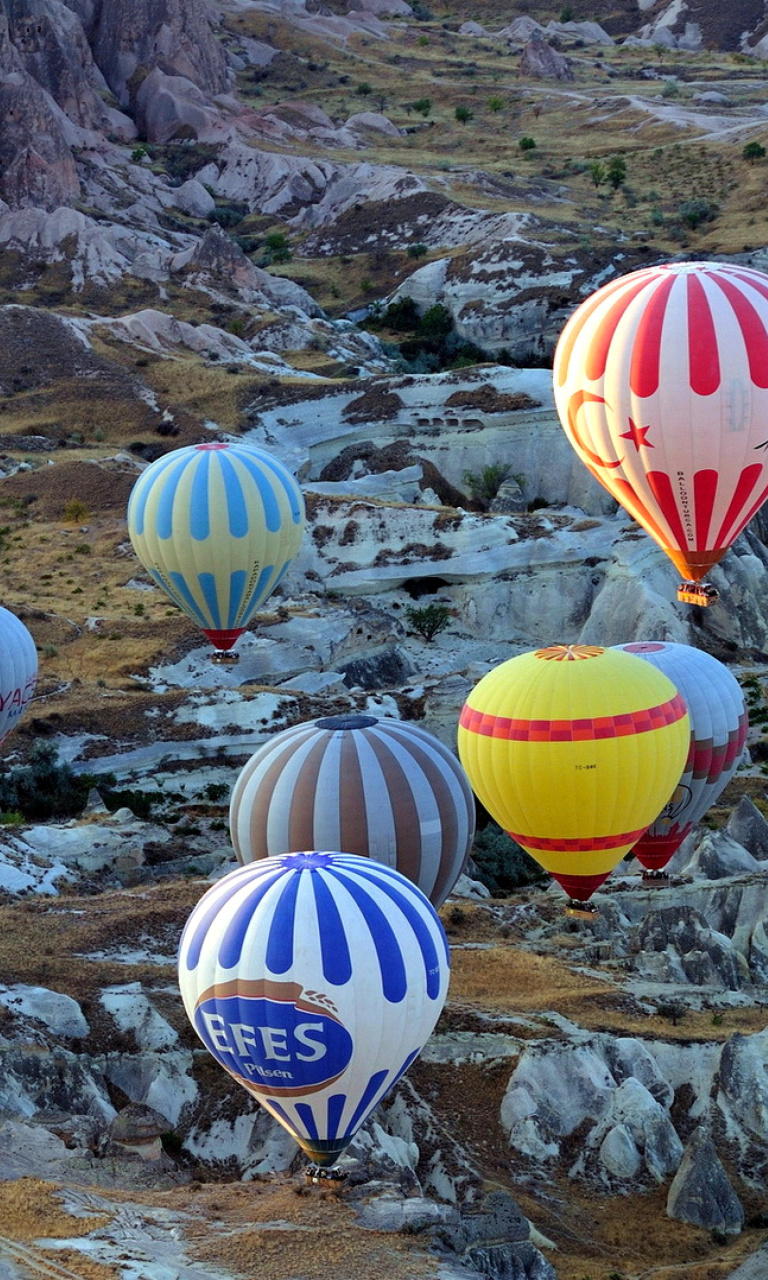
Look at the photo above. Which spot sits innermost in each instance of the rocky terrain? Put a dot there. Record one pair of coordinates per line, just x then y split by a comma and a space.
351, 233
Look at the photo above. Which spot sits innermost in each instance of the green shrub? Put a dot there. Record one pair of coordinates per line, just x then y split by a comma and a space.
75, 511
429, 620
501, 864
423, 106
463, 115
495, 104
526, 143
417, 250
616, 171
364, 88
694, 212
753, 151
485, 484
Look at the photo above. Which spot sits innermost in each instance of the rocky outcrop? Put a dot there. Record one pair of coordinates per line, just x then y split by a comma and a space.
540, 61
36, 164
132, 37
701, 1192
54, 52
675, 944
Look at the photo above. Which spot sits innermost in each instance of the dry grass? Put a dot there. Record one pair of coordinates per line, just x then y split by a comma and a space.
30, 1208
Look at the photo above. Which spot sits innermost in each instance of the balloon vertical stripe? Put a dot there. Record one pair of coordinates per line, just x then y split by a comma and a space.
746, 483
336, 1105
704, 494
702, 341
752, 329
199, 515
282, 932
233, 938
336, 960
237, 508
645, 369
422, 933
371, 1095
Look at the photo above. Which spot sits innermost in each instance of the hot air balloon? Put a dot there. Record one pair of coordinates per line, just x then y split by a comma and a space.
314, 979
18, 670
661, 385
719, 723
216, 526
374, 786
574, 751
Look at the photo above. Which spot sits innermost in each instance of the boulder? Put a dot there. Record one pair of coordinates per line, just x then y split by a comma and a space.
494, 1238
539, 60
178, 39
701, 1192
170, 107
636, 1119
748, 827
718, 855
553, 1090
192, 198
36, 164
59, 1013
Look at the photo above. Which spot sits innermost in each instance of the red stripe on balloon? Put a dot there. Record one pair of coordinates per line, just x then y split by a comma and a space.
578, 844
585, 729
750, 279
704, 494
703, 356
602, 337
628, 497
646, 352
752, 330
733, 524
661, 488
576, 326
745, 521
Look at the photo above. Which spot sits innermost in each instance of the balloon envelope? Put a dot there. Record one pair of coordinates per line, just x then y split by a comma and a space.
573, 751
719, 724
378, 787
661, 385
314, 979
216, 526
18, 670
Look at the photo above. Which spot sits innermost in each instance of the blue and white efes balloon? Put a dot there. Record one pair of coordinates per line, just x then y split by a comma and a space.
314, 979
216, 526
18, 670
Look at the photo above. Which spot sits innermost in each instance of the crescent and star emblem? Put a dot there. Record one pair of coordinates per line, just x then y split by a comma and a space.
636, 434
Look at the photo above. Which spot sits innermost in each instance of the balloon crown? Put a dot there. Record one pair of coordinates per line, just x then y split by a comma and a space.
569, 652
346, 722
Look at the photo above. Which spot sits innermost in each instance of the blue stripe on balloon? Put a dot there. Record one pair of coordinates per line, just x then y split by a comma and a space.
415, 919
367, 1102
204, 921
237, 581
290, 485
253, 466
337, 964
208, 587
406, 1065
237, 509
307, 1117
231, 944
169, 483
279, 956
393, 980
336, 1105
284, 1117
137, 503
260, 591
199, 501
186, 599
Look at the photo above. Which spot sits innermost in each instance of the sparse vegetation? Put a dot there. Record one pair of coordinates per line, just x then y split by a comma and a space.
485, 484
76, 511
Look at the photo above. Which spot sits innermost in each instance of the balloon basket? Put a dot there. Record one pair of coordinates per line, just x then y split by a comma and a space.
581, 910
655, 880
225, 658
701, 593
318, 1176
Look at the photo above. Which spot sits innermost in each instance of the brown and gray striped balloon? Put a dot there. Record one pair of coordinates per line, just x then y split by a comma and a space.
378, 787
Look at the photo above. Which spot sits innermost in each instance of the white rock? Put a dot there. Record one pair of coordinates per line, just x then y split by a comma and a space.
465, 887
60, 1013
619, 1154
133, 1012
191, 197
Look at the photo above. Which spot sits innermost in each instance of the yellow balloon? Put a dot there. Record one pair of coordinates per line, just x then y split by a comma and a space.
574, 754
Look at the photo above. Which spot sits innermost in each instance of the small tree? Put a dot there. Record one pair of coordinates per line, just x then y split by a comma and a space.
364, 88
495, 104
753, 152
616, 173
484, 485
693, 212
526, 143
423, 106
429, 620
463, 114
598, 172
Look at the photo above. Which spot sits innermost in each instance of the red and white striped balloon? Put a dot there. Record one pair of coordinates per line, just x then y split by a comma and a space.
661, 384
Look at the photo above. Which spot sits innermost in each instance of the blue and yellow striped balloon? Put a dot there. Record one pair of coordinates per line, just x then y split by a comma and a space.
314, 979
216, 526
